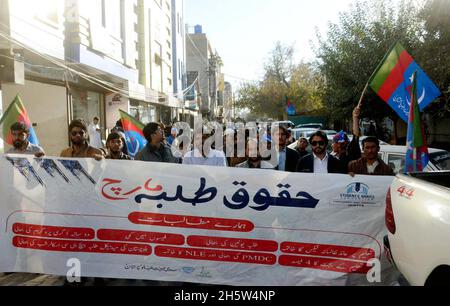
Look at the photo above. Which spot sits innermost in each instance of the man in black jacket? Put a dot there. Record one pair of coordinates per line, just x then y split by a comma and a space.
156, 150
319, 161
286, 158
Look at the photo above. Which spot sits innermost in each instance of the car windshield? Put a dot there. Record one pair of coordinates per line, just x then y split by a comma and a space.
441, 160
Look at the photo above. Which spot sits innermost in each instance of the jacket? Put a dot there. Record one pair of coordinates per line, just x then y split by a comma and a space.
360, 167
292, 158
306, 165
152, 154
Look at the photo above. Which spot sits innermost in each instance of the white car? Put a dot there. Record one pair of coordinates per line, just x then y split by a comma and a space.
418, 221
304, 132
394, 156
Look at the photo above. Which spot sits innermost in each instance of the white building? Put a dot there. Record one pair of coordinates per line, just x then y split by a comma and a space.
29, 32
90, 58
204, 64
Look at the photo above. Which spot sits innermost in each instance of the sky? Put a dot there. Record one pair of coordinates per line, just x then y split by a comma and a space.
245, 31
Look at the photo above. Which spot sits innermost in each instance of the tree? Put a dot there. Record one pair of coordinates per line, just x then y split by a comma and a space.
283, 79
434, 51
353, 48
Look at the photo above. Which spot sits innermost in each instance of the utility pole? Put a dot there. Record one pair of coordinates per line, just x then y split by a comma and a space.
212, 71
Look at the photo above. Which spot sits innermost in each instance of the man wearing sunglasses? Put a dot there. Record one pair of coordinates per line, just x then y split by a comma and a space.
80, 148
319, 161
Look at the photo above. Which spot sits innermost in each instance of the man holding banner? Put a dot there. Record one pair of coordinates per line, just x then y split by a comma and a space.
20, 140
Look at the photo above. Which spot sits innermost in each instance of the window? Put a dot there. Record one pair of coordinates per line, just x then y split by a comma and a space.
86, 104
396, 162
113, 17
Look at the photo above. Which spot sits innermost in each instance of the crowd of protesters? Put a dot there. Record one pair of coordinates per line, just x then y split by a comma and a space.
345, 158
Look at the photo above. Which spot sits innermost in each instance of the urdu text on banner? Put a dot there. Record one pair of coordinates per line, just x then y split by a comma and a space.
135, 220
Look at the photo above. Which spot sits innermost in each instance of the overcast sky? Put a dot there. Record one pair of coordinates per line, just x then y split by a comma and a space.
245, 31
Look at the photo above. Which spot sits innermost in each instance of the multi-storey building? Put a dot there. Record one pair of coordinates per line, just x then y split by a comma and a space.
89, 58
204, 62
31, 38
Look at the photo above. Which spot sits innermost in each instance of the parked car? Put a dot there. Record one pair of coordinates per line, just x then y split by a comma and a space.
316, 126
304, 132
290, 124
330, 132
418, 220
395, 156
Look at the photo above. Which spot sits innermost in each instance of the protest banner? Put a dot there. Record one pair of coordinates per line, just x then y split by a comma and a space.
135, 220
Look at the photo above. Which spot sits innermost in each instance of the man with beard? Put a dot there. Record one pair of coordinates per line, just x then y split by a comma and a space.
115, 145
254, 159
319, 161
80, 146
287, 158
370, 164
21, 145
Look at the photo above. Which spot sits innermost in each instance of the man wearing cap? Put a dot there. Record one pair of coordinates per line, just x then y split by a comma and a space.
344, 149
173, 136
302, 146
21, 145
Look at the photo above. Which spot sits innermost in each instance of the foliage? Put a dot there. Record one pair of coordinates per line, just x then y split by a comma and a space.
353, 48
301, 83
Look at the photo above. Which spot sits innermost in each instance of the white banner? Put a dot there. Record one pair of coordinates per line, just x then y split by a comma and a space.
135, 220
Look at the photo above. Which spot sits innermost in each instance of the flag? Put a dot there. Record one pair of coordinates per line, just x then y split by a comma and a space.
392, 81
16, 112
133, 133
417, 155
290, 108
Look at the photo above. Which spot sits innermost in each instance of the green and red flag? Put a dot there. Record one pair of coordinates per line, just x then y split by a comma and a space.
417, 151
133, 133
16, 112
393, 81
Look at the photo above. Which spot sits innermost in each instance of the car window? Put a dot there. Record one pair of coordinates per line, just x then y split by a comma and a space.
396, 162
441, 160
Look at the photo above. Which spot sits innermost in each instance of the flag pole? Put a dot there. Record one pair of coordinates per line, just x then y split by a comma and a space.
362, 95
356, 129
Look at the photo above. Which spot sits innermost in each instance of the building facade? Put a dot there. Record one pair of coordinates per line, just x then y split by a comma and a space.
90, 58
30, 39
205, 63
